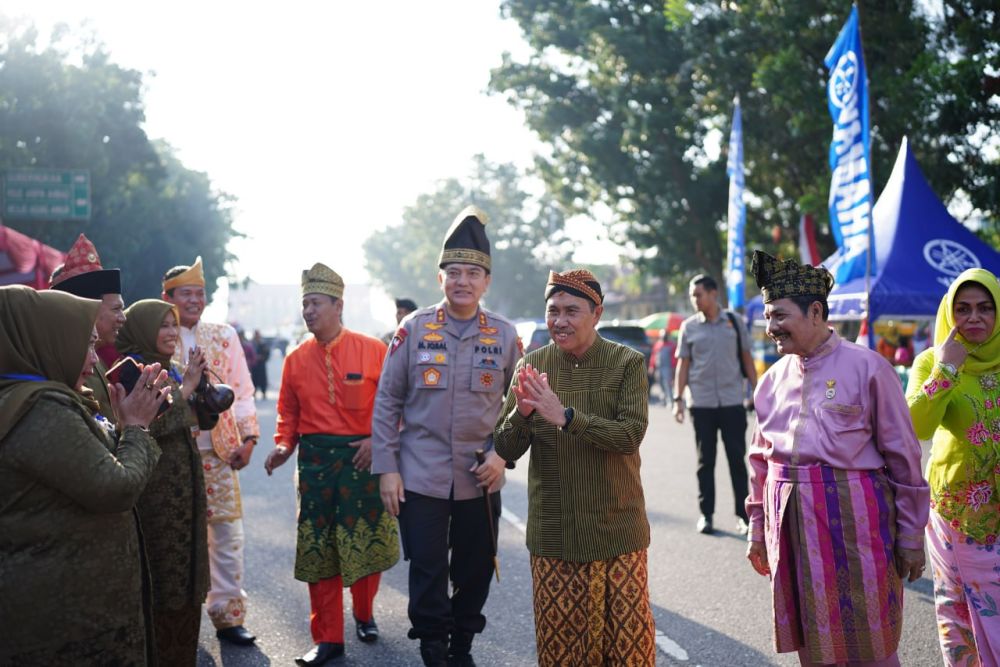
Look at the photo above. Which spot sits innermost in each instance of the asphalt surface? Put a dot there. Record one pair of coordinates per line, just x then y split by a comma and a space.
710, 607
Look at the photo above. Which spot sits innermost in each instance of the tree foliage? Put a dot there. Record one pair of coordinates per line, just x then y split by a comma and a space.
526, 235
67, 105
632, 97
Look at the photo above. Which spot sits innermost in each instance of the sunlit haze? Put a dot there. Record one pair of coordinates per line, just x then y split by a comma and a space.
324, 119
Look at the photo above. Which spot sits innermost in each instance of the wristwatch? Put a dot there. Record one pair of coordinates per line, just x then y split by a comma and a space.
678, 399
948, 368
568, 413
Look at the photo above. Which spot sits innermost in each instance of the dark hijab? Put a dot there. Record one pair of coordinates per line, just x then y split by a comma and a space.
142, 327
45, 343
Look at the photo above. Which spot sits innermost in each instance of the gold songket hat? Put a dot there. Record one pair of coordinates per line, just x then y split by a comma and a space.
193, 276
321, 279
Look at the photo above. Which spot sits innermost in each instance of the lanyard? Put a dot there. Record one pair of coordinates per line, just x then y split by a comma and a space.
24, 376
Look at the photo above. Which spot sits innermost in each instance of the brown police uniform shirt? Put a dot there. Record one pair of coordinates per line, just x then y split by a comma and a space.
439, 397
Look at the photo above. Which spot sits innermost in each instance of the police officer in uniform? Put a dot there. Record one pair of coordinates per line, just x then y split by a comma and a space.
441, 390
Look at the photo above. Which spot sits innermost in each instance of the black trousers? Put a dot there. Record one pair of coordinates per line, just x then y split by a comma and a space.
429, 528
731, 420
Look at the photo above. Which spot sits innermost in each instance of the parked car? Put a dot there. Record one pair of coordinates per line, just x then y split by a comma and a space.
533, 335
632, 335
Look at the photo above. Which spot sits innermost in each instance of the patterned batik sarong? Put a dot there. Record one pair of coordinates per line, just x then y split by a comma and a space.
593, 613
343, 527
830, 536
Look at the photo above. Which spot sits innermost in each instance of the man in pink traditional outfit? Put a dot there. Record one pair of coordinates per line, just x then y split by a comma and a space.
837, 501
224, 450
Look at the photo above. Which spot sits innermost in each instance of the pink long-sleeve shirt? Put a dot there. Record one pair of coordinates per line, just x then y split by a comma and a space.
841, 406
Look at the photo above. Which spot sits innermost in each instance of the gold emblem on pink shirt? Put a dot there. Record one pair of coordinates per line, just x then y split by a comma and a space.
831, 388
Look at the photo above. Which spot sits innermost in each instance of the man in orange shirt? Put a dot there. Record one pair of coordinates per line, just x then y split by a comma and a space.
345, 536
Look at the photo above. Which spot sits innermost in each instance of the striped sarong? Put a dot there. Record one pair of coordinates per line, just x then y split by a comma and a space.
343, 529
830, 536
594, 613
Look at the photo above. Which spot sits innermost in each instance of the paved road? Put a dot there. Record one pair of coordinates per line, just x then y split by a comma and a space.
710, 607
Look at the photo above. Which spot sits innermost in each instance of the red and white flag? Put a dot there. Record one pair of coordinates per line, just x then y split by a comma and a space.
808, 253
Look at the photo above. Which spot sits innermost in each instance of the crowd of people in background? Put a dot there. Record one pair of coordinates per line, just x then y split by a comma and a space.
123, 431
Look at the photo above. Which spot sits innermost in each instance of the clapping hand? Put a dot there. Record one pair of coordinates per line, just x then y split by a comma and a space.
197, 363
520, 394
533, 392
139, 408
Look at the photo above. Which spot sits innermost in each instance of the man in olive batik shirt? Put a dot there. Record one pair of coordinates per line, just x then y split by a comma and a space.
580, 405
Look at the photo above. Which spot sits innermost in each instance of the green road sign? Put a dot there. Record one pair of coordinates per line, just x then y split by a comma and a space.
46, 194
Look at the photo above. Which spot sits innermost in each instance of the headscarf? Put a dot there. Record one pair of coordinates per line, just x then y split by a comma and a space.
982, 357
142, 327
46, 335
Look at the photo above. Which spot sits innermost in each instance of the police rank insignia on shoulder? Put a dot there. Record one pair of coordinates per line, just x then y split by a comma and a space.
397, 339
433, 337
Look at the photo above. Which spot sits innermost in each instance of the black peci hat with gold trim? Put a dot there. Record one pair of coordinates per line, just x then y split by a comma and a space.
466, 241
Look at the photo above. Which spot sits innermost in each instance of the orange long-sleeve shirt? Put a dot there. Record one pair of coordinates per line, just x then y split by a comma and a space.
330, 388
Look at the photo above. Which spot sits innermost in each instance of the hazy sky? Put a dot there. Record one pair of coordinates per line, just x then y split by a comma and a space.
325, 119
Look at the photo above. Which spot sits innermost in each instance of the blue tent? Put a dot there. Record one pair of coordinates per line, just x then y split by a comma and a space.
919, 247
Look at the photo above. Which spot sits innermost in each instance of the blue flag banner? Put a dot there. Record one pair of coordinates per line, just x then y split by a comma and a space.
850, 155
736, 244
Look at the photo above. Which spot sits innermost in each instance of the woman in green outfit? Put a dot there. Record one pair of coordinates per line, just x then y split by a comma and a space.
172, 509
954, 396
70, 558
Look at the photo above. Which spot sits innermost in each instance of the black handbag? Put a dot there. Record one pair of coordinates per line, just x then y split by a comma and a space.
210, 400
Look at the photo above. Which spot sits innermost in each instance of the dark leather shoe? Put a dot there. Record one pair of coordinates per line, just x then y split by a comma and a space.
367, 630
236, 635
320, 654
459, 649
434, 652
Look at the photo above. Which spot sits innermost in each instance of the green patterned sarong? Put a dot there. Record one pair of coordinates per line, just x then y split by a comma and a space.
343, 527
